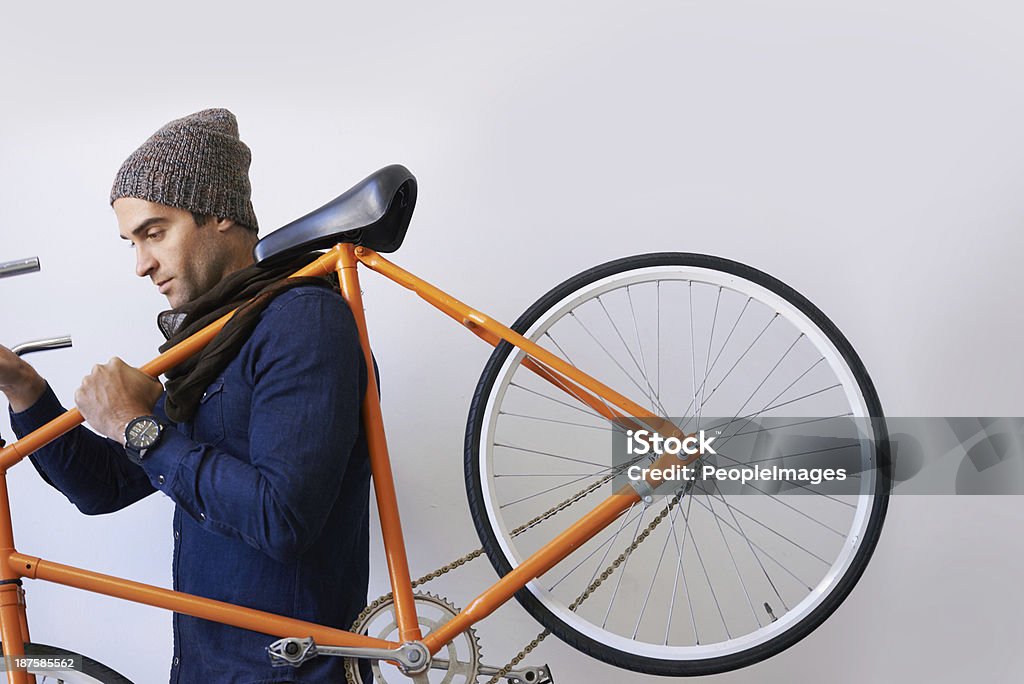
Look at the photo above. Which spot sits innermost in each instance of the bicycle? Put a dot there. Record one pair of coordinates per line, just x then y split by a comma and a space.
686, 335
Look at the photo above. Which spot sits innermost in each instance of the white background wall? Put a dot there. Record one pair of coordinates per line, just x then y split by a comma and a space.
869, 154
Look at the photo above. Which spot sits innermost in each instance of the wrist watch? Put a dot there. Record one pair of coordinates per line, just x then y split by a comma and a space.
140, 435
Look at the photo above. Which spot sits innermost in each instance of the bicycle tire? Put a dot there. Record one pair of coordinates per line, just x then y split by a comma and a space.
872, 501
92, 672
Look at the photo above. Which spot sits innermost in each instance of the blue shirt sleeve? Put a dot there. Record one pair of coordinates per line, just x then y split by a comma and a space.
91, 471
308, 376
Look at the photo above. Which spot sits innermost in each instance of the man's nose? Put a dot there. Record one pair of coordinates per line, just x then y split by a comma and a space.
144, 262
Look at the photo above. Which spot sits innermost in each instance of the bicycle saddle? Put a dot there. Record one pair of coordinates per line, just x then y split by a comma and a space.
374, 213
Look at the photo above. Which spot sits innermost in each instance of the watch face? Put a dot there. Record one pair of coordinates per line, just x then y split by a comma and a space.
143, 432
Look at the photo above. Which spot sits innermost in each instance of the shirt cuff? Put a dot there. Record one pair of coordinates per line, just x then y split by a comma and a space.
46, 408
162, 461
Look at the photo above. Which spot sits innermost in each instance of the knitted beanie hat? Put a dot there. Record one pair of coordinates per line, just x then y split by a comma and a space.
196, 163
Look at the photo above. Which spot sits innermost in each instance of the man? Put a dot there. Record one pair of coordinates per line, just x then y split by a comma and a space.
258, 440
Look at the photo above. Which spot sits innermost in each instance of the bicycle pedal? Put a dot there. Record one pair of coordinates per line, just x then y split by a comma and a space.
530, 675
291, 652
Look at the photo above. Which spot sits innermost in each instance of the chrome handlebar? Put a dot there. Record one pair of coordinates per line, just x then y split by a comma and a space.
10, 269
42, 345
21, 266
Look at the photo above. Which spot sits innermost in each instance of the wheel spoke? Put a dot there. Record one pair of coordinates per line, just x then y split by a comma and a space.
622, 571
680, 575
610, 427
707, 577
750, 546
614, 360
721, 350
573, 364
736, 567
590, 555
762, 549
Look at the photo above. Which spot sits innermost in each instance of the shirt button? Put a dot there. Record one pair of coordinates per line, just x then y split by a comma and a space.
175, 663
160, 479
202, 516
177, 535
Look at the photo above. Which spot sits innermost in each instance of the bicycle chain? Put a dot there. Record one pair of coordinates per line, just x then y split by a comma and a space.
472, 555
458, 562
593, 586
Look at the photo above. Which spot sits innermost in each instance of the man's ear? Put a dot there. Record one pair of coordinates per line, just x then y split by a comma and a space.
224, 224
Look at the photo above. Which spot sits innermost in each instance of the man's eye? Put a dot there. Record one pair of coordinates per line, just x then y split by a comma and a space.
155, 235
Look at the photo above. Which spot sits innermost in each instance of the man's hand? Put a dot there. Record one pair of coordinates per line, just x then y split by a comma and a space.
19, 381
113, 394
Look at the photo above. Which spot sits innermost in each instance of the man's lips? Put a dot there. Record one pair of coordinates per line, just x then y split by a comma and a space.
163, 285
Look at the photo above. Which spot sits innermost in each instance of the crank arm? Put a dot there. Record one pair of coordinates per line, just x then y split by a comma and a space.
42, 345
411, 657
527, 675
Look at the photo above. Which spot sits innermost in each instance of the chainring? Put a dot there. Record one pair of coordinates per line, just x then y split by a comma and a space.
378, 620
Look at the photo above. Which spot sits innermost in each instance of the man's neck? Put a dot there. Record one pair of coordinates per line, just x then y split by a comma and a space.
241, 258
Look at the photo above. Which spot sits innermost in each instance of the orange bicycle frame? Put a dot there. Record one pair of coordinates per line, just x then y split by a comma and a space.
343, 259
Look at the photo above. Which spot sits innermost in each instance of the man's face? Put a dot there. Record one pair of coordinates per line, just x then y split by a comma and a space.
184, 260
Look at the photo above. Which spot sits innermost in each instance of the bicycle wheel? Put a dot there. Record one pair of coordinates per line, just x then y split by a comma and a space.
91, 672
703, 581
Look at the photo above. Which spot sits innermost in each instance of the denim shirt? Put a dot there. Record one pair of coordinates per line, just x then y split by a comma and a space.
270, 482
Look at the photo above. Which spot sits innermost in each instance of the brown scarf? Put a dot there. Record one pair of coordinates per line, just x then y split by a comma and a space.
250, 290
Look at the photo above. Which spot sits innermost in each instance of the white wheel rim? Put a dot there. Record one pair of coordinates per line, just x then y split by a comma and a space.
858, 408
